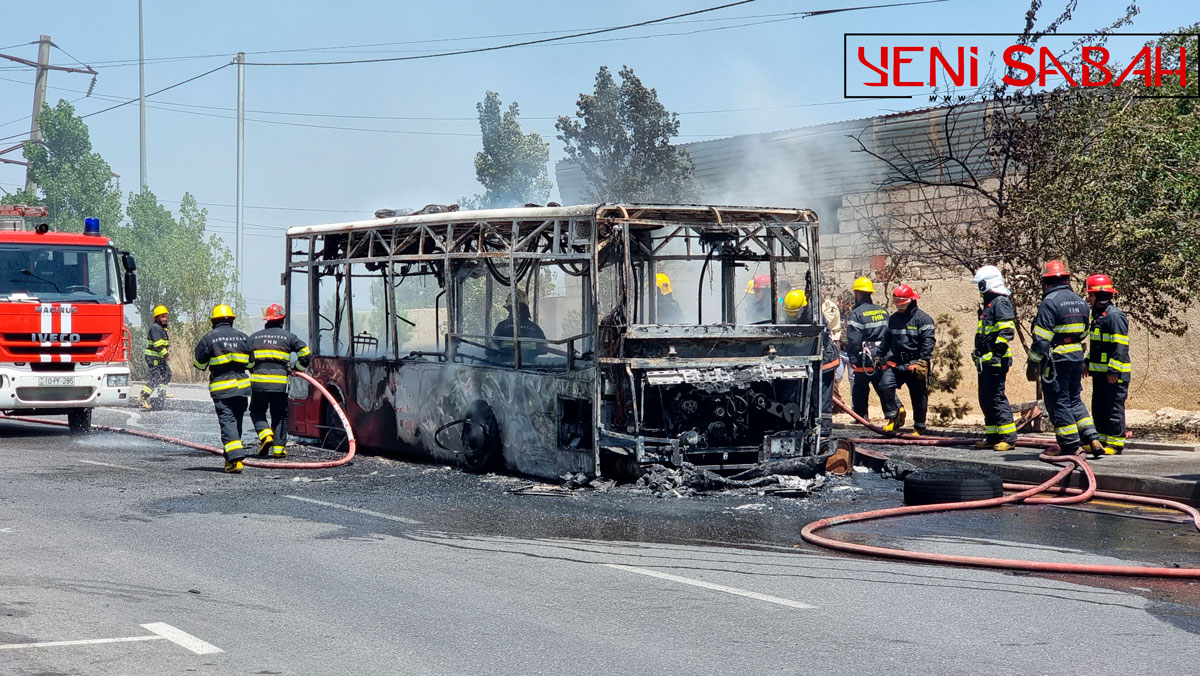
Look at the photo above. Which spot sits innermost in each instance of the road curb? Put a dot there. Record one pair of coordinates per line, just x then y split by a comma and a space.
1160, 487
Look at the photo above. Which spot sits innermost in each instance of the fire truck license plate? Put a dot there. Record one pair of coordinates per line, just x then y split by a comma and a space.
56, 381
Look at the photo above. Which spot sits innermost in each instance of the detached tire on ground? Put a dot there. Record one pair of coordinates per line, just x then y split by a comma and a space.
929, 487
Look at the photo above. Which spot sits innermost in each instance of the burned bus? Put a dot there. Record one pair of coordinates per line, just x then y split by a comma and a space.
553, 340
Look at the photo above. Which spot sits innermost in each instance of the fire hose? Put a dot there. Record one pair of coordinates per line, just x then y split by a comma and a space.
1025, 494
350, 451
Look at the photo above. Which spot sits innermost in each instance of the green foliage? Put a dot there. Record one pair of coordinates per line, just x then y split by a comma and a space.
179, 266
622, 142
1104, 180
512, 165
74, 182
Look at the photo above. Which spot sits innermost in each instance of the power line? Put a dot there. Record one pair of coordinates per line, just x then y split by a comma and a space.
511, 45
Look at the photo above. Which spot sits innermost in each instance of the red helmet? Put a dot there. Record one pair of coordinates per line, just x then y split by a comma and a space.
1102, 283
762, 281
1055, 268
905, 292
274, 311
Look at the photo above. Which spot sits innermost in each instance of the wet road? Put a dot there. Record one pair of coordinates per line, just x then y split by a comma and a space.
384, 567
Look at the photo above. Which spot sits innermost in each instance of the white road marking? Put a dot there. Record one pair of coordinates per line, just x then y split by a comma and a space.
89, 641
357, 510
109, 464
182, 638
709, 585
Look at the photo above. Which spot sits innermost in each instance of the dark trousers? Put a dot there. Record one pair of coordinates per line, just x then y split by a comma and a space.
277, 404
1064, 404
860, 390
891, 380
159, 375
993, 401
1108, 406
230, 412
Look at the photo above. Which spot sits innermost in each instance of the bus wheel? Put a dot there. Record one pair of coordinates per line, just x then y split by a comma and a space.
480, 437
80, 420
333, 433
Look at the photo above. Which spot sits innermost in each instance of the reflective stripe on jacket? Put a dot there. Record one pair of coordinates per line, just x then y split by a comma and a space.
157, 342
997, 326
270, 354
1060, 326
866, 326
909, 338
225, 352
1109, 348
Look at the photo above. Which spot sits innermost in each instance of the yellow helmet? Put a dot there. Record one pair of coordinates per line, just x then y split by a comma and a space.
864, 284
664, 283
222, 311
793, 301
160, 310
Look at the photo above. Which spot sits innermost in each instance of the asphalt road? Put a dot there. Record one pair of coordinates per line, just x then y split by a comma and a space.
124, 556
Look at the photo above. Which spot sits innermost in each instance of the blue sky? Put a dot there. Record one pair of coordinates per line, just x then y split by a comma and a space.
789, 70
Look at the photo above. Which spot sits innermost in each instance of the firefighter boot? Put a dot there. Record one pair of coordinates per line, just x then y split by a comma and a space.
266, 439
278, 451
894, 424
143, 399
984, 443
1096, 448
1002, 447
233, 466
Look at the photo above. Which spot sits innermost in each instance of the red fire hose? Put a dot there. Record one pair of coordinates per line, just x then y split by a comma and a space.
1025, 495
350, 451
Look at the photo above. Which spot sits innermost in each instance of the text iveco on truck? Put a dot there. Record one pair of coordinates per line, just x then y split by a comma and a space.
63, 345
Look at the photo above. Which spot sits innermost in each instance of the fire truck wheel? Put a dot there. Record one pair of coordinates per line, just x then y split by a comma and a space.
480, 437
80, 420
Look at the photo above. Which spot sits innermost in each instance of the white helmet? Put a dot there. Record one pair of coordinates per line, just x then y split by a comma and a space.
989, 280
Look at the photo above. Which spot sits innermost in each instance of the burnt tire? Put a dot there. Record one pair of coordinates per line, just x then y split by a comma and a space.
927, 487
481, 445
333, 432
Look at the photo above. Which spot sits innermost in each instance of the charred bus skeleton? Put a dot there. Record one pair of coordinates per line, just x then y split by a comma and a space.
536, 338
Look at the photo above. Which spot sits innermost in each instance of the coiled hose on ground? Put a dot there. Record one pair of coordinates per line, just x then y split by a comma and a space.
1026, 494
270, 464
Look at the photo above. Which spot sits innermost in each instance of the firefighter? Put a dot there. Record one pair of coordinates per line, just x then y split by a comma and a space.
501, 345
758, 302
797, 311
225, 352
1056, 357
270, 355
993, 357
904, 358
669, 311
1108, 363
864, 332
157, 346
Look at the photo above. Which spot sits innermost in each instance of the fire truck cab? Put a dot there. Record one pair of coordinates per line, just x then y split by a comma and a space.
64, 348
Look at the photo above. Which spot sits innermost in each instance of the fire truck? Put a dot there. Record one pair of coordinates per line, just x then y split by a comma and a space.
64, 348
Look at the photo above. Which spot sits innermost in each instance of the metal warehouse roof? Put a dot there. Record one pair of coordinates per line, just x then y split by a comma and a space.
811, 164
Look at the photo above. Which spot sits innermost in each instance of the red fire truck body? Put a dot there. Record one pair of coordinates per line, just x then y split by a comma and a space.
64, 348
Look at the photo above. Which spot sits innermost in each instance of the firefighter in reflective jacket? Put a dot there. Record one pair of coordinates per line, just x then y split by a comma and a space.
993, 357
864, 332
797, 311
1108, 363
225, 352
904, 360
157, 347
1056, 357
270, 354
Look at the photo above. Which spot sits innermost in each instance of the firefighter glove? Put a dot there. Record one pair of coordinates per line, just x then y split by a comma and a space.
1031, 372
920, 369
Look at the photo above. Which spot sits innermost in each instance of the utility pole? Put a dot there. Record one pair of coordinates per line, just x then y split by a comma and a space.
39, 98
141, 102
241, 158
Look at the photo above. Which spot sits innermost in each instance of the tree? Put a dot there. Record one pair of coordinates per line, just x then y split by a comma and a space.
1106, 181
74, 182
179, 266
622, 143
512, 165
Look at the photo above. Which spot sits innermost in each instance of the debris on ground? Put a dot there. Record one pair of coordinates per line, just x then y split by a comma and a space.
805, 467
897, 469
546, 490
688, 480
